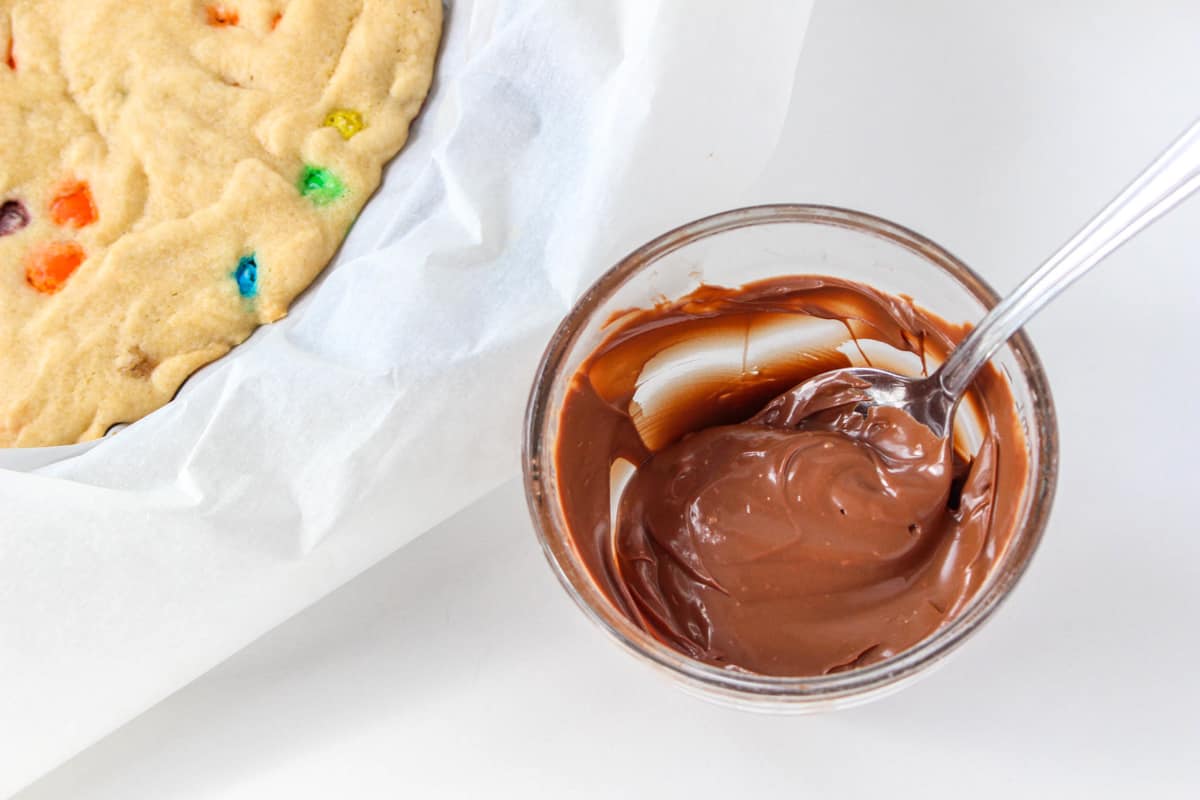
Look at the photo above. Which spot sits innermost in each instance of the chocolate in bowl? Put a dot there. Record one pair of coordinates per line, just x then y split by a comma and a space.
752, 248
781, 551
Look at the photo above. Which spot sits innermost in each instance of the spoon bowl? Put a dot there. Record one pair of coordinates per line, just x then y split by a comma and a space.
923, 398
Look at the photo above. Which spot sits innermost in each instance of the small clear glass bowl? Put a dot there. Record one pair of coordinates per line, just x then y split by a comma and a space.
731, 249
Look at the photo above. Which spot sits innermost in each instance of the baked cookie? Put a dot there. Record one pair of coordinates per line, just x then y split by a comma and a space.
172, 174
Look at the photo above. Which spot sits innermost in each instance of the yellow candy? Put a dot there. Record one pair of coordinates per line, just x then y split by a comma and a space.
347, 121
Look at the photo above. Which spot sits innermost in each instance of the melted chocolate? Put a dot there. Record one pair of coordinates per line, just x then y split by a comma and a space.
783, 544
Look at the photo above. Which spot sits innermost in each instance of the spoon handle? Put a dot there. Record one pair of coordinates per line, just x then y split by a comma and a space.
1174, 176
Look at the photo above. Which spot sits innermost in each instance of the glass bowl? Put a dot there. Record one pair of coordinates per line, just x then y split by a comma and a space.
731, 249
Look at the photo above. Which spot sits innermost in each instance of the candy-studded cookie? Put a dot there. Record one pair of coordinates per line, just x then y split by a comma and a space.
174, 173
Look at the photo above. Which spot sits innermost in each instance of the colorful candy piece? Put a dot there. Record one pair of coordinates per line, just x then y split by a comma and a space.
320, 185
347, 121
13, 217
276, 19
48, 266
72, 205
246, 275
221, 15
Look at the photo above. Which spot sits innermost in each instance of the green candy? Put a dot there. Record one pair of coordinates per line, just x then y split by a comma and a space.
320, 185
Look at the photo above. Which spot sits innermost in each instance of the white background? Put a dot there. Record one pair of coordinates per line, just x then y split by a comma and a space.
458, 667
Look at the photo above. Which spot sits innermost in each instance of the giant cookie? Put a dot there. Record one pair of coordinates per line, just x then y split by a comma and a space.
172, 174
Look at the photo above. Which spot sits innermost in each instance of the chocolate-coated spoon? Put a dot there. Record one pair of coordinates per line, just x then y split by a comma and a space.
931, 400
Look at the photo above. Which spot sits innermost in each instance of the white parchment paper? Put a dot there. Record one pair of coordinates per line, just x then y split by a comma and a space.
559, 136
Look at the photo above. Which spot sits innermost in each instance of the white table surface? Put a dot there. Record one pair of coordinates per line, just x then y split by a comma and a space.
458, 667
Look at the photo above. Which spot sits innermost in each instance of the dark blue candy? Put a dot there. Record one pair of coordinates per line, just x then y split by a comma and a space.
246, 275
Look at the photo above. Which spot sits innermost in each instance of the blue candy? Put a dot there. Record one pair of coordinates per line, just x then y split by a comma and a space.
246, 275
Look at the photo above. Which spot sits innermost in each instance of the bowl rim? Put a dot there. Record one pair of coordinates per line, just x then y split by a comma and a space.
739, 684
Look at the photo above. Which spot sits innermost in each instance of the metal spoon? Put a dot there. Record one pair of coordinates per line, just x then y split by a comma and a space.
931, 400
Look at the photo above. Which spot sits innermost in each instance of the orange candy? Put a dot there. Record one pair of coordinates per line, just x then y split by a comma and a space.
221, 15
48, 266
72, 205
275, 20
